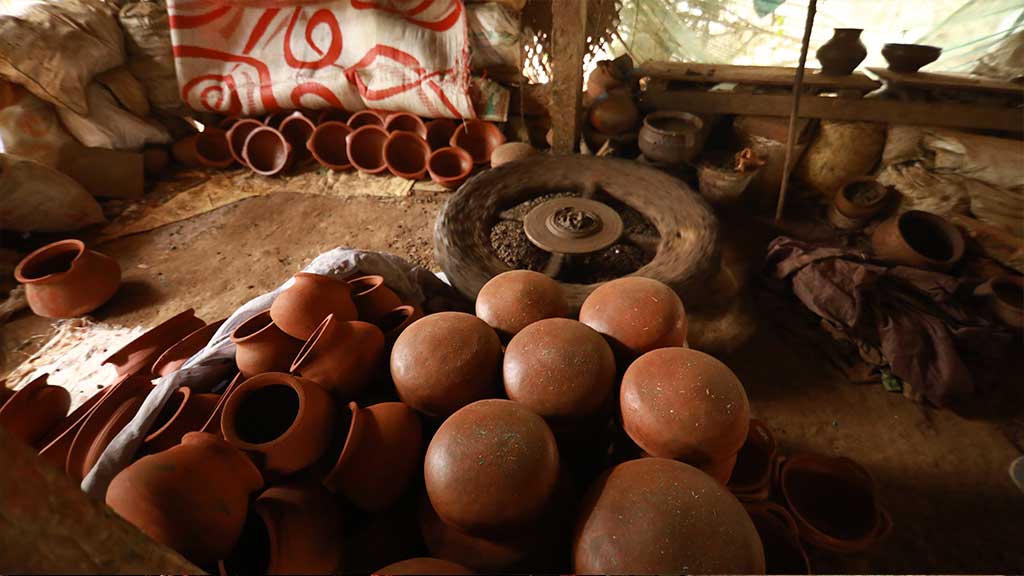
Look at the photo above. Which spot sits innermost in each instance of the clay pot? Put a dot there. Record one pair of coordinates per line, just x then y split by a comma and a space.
184, 152
365, 118
561, 369
450, 166
237, 136
515, 299
301, 307
439, 133
841, 55
653, 516
491, 467
381, 457
212, 425
297, 129
65, 279
261, 346
57, 443
192, 498
422, 566
212, 148
1005, 295
614, 112
332, 115
31, 413
405, 122
106, 421
372, 297
175, 357
602, 79
340, 356
721, 470
365, 147
397, 320
140, 353
510, 152
834, 503
327, 144
909, 58
424, 357
751, 478
783, 552
671, 137
636, 314
267, 152
185, 411
919, 239
479, 138
406, 155
287, 421
857, 202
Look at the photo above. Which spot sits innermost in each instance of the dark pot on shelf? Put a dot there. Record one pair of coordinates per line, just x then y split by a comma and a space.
909, 58
65, 279
919, 239
671, 137
267, 152
365, 147
450, 166
237, 136
843, 53
479, 138
406, 155
327, 144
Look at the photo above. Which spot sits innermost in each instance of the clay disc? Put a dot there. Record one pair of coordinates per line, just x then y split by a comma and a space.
572, 226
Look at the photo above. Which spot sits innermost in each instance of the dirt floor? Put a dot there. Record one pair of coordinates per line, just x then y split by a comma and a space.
943, 478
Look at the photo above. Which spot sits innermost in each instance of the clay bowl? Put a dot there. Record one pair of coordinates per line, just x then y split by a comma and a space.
267, 152
751, 478
237, 135
405, 122
33, 412
174, 357
909, 58
140, 353
185, 411
1006, 299
450, 166
373, 299
297, 130
327, 144
479, 138
919, 239
671, 137
783, 552
439, 132
365, 118
406, 155
261, 346
212, 148
857, 202
515, 299
365, 147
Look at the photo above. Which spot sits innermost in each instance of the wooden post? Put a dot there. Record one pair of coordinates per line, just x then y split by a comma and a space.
568, 46
812, 8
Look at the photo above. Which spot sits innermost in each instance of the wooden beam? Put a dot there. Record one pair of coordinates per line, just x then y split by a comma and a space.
781, 76
568, 45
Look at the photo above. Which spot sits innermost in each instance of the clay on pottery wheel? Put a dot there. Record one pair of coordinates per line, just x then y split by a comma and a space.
510, 152
919, 239
365, 147
422, 566
288, 421
192, 498
185, 411
515, 299
139, 354
301, 307
174, 357
184, 152
671, 137
783, 552
445, 361
32, 412
1005, 295
479, 138
212, 148
396, 321
636, 314
365, 118
372, 297
857, 202
842, 53
297, 129
439, 132
406, 155
751, 478
614, 112
653, 515
267, 152
340, 356
261, 346
237, 135
405, 122
450, 166
909, 58
491, 467
561, 369
65, 279
327, 144
381, 457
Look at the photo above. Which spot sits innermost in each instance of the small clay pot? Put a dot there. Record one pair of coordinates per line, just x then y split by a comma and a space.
857, 202
424, 356
267, 152
237, 136
636, 314
439, 133
670, 137
919, 239
327, 144
909, 58
614, 112
192, 498
422, 566
450, 166
842, 53
185, 411
515, 299
261, 346
332, 115
184, 152
365, 147
397, 320
751, 478
372, 297
405, 122
139, 354
602, 79
57, 443
31, 413
365, 118
65, 279
175, 357
1005, 295
287, 421
297, 129
301, 307
381, 457
340, 356
106, 421
479, 138
406, 155
212, 148
511, 152
783, 552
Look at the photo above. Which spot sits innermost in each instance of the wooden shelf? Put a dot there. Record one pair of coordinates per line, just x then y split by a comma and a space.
932, 81
779, 76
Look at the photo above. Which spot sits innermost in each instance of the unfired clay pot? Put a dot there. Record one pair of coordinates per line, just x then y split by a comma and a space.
510, 152
365, 118
783, 552
261, 346
365, 147
301, 307
237, 136
422, 566
65, 279
445, 361
491, 467
655, 516
185, 411
636, 314
670, 137
396, 321
405, 122
327, 144
842, 53
212, 148
267, 152
406, 155
140, 353
479, 138
287, 422
32, 412
450, 166
515, 299
751, 478
919, 239
614, 112
439, 132
297, 129
192, 498
174, 357
372, 297
340, 356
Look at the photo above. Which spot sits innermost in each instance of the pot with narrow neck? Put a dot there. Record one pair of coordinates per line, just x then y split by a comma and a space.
842, 53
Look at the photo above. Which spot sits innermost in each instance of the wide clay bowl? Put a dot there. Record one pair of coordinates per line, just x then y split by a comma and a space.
267, 151
909, 58
406, 155
670, 137
783, 552
856, 202
439, 132
450, 166
515, 299
422, 566
297, 129
405, 122
212, 148
328, 145
479, 138
261, 346
918, 239
237, 135
365, 118
301, 307
365, 148
636, 314
65, 279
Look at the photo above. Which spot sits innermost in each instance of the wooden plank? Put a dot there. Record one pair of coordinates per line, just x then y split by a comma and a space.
569, 43
782, 76
933, 81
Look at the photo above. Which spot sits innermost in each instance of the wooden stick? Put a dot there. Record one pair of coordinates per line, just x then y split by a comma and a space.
568, 45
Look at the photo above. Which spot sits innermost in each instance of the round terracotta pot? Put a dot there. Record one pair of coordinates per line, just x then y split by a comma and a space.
301, 307
297, 130
192, 498
445, 361
636, 314
106, 421
450, 166
918, 239
261, 346
266, 151
184, 152
842, 53
783, 552
909, 58
422, 566
372, 297
751, 478
406, 155
405, 122
237, 135
227, 122
212, 425
185, 411
614, 112
65, 279
365, 118
332, 115
397, 320
857, 202
653, 516
1005, 295
491, 467
602, 79
381, 457
720, 470
511, 152
439, 133
365, 147
32, 412
212, 148
340, 356
139, 354
175, 357
327, 144
670, 137
479, 138
515, 299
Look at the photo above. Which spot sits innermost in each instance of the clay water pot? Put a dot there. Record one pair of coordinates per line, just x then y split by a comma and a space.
560, 369
857, 202
450, 166
139, 354
602, 79
909, 58
287, 423
381, 456
212, 425
405, 122
842, 53
237, 136
261, 346
297, 129
479, 138
184, 152
106, 421
834, 502
212, 148
1005, 296
439, 133
185, 411
301, 307
175, 357
65, 279
31, 413
491, 467
751, 478
720, 469
396, 321
365, 147
365, 118
636, 314
515, 299
340, 356
372, 297
654, 516
445, 361
332, 115
267, 152
511, 152
327, 144
783, 552
406, 155
422, 566
919, 239
192, 498
670, 137
614, 112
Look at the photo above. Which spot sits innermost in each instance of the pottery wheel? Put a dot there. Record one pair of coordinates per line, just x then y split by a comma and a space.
572, 226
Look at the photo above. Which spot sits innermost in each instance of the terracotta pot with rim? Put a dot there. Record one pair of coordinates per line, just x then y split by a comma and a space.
327, 144
31, 413
261, 346
515, 299
365, 147
919, 239
365, 118
140, 353
405, 122
267, 152
212, 148
57, 443
103, 423
175, 357
340, 356
406, 155
372, 297
237, 136
857, 202
65, 279
397, 320
479, 138
1005, 296
297, 130
450, 166
670, 137
185, 411
310, 298
439, 133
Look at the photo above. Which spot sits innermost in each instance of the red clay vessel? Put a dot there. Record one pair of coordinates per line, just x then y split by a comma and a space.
406, 155
479, 138
301, 307
327, 144
65, 279
450, 166
340, 356
515, 299
636, 314
261, 346
365, 147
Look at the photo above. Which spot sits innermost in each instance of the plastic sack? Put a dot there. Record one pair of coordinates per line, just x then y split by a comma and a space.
999, 207
840, 152
493, 36
1006, 62
109, 126
35, 198
516, 5
29, 127
996, 161
922, 189
127, 90
150, 56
